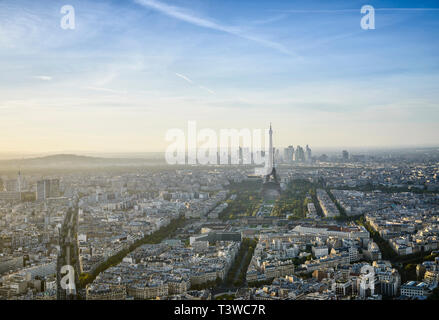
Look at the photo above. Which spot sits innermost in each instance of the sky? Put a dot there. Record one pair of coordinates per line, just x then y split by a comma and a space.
131, 70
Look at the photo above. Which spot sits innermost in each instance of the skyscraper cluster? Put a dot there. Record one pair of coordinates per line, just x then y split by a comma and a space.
291, 155
47, 189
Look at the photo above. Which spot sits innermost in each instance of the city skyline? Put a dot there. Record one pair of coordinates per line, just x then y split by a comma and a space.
132, 70
312, 232
217, 158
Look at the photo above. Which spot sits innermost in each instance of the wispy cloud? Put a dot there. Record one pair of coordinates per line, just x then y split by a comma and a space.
106, 79
355, 10
189, 17
184, 77
191, 82
43, 78
407, 9
207, 89
270, 19
105, 90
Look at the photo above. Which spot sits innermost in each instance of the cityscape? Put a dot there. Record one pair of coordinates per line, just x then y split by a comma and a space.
203, 155
211, 232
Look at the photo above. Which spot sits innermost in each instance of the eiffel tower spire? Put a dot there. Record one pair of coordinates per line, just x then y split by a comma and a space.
270, 160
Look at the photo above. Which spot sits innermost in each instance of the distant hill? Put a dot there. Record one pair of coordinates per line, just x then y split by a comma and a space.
63, 157
72, 160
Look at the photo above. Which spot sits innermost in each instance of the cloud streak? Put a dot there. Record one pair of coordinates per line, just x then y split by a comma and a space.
106, 90
358, 10
184, 77
207, 89
43, 78
191, 82
189, 17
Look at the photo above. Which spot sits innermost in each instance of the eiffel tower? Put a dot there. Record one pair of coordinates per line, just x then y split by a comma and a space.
271, 187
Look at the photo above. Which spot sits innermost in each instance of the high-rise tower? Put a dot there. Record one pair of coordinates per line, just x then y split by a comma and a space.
271, 186
19, 181
270, 160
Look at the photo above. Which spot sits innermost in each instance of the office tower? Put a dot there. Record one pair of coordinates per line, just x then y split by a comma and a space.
47, 189
42, 189
19, 182
1, 185
299, 155
246, 156
277, 156
308, 154
289, 154
12, 185
54, 188
345, 155
285, 155
46, 217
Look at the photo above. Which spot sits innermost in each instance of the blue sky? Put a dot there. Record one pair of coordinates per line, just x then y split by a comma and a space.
133, 69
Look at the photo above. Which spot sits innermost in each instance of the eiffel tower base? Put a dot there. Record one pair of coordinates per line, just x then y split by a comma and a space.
271, 190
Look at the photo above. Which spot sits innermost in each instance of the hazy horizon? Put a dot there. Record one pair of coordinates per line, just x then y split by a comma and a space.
140, 155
